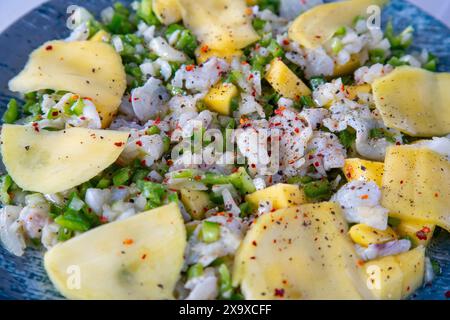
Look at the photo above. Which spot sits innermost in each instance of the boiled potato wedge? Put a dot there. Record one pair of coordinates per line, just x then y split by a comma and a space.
396, 277
363, 170
167, 11
54, 161
414, 101
300, 253
219, 98
203, 53
196, 202
416, 185
285, 81
98, 75
281, 195
318, 25
365, 235
220, 24
137, 258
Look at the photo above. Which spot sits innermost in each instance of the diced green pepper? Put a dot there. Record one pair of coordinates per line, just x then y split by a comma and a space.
318, 190
209, 232
152, 130
225, 286
336, 45
12, 112
5, 184
72, 220
195, 271
122, 176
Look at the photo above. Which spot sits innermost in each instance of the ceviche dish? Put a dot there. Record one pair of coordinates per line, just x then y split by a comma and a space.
229, 149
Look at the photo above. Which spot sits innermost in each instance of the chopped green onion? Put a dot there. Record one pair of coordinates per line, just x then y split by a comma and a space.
140, 174
318, 190
152, 130
154, 192
336, 45
225, 285
209, 232
72, 220
195, 271
5, 184
275, 49
122, 176
12, 112
166, 144
342, 31
396, 62
103, 183
64, 234
307, 101
173, 197
258, 24
377, 55
78, 107
300, 180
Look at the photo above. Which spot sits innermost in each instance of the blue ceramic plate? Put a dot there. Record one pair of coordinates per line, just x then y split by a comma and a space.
25, 278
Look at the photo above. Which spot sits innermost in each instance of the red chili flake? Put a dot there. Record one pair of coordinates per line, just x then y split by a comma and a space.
103, 219
316, 164
421, 235
36, 126
136, 99
143, 256
55, 113
401, 181
190, 67
280, 110
254, 243
286, 42
365, 196
426, 229
118, 144
83, 118
253, 165
436, 195
250, 77
360, 263
139, 143
129, 99
198, 178
143, 163
204, 49
48, 48
279, 293
170, 162
157, 121
128, 242
297, 130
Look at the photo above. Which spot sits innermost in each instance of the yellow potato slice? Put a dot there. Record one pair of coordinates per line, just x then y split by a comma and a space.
285, 81
54, 161
137, 258
281, 195
91, 69
414, 101
318, 25
416, 185
396, 277
223, 25
300, 253
167, 11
